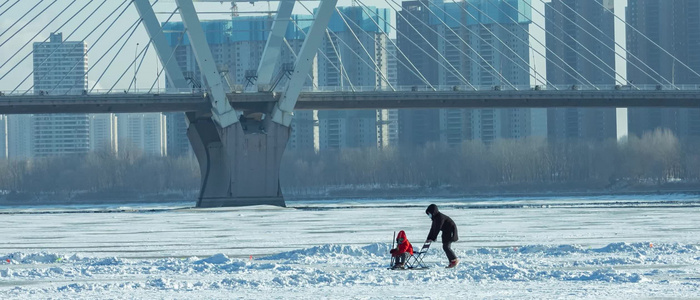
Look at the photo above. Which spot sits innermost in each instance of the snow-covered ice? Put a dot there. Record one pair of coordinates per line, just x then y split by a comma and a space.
601, 247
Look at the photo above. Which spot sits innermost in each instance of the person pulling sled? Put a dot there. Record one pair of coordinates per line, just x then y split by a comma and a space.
442, 222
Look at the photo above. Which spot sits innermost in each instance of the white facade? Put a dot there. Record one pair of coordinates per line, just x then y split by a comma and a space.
19, 136
145, 132
505, 64
103, 132
60, 67
60, 134
350, 129
3, 137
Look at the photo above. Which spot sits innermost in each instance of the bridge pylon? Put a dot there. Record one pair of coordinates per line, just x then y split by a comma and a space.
240, 152
240, 163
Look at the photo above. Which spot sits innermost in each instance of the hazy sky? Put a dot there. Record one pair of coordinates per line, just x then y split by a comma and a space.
147, 74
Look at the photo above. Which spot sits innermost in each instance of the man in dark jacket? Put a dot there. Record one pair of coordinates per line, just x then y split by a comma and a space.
443, 223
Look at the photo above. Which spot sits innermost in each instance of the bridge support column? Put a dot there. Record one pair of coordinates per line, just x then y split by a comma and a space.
240, 163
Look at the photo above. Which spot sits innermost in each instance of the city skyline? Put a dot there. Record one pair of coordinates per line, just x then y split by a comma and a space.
532, 62
147, 74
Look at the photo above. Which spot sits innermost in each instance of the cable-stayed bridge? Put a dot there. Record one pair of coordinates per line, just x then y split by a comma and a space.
239, 128
336, 99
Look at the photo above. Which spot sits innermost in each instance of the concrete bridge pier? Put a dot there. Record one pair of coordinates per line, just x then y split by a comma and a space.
240, 163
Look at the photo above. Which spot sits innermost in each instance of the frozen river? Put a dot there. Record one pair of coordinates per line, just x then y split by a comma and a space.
602, 247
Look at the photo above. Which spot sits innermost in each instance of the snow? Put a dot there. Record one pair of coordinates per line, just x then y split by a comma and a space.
529, 248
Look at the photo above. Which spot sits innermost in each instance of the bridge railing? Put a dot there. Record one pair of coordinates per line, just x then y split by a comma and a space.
417, 88
445, 88
104, 92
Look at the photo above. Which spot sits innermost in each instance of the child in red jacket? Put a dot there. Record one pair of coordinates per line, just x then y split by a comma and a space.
403, 250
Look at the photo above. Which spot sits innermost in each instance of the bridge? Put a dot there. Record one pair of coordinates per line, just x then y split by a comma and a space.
240, 163
534, 97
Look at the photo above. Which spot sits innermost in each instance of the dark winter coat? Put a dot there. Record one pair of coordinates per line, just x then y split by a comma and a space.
443, 223
402, 246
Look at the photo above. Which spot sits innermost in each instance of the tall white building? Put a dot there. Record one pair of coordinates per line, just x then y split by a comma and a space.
103, 132
358, 47
3, 136
482, 43
142, 131
393, 76
19, 137
60, 67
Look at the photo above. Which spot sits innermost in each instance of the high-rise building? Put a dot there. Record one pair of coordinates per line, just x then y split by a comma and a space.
357, 57
460, 44
3, 136
392, 61
176, 135
103, 132
578, 33
674, 26
417, 64
143, 132
60, 67
19, 137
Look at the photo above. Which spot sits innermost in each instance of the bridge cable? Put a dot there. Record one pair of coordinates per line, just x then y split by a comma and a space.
83, 40
291, 50
578, 52
320, 52
22, 17
398, 50
180, 38
626, 51
381, 74
337, 38
59, 46
529, 64
328, 32
95, 43
132, 62
43, 42
433, 47
612, 68
657, 45
3, 4
343, 42
546, 48
565, 44
439, 62
584, 47
35, 35
342, 69
28, 22
136, 23
140, 53
138, 68
493, 70
8, 8
337, 54
135, 27
482, 39
294, 54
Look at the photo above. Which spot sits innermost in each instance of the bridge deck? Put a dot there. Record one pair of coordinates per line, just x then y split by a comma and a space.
125, 103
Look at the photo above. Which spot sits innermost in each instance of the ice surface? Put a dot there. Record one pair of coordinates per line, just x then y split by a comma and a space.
340, 250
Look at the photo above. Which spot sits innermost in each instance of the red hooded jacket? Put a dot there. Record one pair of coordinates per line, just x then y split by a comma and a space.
403, 245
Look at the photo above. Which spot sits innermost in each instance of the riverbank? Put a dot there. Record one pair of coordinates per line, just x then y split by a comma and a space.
357, 192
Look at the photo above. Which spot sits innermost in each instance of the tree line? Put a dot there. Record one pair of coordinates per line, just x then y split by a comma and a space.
654, 159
